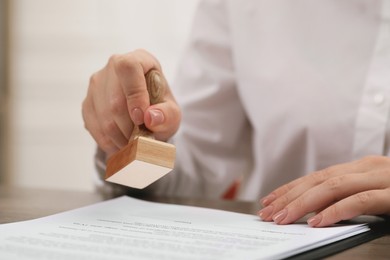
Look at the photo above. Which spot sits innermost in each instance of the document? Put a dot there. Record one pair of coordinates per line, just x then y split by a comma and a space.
128, 228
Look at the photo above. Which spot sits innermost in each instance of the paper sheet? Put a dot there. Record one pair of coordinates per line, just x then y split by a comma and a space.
127, 228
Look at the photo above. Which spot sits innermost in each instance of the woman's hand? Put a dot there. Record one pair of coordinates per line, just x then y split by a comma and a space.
117, 99
337, 193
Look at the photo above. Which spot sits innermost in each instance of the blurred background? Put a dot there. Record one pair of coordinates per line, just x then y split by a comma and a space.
49, 49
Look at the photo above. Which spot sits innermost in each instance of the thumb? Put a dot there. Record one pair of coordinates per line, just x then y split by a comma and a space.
163, 116
163, 119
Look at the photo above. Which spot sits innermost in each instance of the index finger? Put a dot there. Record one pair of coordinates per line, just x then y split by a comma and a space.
313, 179
130, 70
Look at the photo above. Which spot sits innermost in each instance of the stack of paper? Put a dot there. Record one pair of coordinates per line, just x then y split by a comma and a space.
127, 228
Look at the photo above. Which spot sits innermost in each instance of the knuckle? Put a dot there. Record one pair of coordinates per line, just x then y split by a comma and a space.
299, 203
288, 186
136, 94
363, 198
140, 51
87, 125
113, 59
327, 172
318, 177
284, 200
86, 113
322, 175
334, 212
334, 183
128, 62
117, 105
92, 80
105, 143
84, 108
284, 188
373, 160
109, 127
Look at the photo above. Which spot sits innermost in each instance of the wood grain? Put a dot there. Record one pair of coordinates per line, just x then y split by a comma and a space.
144, 160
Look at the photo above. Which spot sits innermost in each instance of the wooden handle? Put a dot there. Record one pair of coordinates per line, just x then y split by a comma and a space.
156, 86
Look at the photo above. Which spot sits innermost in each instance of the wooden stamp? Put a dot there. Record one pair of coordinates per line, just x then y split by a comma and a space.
143, 160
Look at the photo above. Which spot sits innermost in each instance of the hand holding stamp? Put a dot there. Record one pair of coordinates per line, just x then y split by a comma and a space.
143, 160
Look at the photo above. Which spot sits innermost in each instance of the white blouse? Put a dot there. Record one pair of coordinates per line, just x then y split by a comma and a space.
273, 90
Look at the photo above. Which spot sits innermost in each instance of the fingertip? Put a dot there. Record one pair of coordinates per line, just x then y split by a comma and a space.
315, 221
265, 214
281, 217
268, 199
155, 117
163, 119
137, 116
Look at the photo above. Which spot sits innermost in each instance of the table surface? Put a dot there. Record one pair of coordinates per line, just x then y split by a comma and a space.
17, 204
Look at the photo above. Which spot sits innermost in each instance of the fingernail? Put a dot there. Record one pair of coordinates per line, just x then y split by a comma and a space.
156, 116
137, 116
278, 217
265, 212
314, 221
268, 199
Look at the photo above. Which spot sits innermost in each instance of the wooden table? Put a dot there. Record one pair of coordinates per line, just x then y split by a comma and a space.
18, 204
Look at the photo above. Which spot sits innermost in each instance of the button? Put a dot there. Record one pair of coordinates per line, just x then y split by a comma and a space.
379, 99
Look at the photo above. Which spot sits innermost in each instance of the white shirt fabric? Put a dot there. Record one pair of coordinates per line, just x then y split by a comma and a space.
273, 90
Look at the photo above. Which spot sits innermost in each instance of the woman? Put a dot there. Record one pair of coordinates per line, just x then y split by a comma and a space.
269, 93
